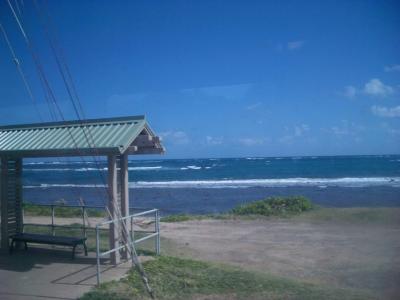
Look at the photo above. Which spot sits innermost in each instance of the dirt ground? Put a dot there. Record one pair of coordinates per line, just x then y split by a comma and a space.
363, 256
358, 256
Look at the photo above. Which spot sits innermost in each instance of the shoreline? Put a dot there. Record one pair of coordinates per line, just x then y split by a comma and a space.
210, 201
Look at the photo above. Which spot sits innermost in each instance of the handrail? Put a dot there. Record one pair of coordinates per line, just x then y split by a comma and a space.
128, 242
79, 206
127, 217
83, 215
151, 234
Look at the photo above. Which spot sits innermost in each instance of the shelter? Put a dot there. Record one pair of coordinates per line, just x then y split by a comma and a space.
115, 138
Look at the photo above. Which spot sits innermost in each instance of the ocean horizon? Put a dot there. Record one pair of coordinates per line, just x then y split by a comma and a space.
210, 185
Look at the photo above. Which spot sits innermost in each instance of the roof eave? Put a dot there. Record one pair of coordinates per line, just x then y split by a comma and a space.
62, 152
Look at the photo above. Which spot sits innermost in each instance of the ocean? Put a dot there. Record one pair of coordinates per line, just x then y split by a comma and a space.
217, 184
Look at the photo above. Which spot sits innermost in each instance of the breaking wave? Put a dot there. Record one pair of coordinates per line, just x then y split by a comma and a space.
89, 169
247, 183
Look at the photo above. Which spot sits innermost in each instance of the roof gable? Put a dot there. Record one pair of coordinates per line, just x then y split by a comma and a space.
88, 137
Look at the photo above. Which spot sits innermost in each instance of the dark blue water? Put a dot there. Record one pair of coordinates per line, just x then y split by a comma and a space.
211, 185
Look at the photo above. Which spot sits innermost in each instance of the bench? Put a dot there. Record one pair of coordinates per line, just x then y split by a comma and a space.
49, 240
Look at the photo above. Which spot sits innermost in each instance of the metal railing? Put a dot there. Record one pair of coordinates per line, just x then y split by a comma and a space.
100, 226
53, 224
84, 209
128, 242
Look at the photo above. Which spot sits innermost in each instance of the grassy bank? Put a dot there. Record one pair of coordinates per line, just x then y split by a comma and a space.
299, 209
176, 278
353, 215
273, 206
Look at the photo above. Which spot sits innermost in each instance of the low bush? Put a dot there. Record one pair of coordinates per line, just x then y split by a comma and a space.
274, 206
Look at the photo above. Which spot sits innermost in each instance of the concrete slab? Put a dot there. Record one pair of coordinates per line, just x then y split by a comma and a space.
50, 273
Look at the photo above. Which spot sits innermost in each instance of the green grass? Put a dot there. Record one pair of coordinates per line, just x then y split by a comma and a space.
273, 206
176, 278
178, 218
353, 215
31, 209
188, 217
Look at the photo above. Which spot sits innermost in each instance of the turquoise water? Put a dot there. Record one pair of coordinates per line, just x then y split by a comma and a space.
226, 172
215, 185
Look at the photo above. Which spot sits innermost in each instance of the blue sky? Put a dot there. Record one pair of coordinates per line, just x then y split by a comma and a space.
222, 78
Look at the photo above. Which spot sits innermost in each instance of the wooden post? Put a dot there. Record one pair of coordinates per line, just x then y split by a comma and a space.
19, 195
4, 208
124, 177
112, 205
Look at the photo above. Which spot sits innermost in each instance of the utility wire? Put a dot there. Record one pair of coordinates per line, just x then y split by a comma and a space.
21, 72
45, 83
63, 67
113, 201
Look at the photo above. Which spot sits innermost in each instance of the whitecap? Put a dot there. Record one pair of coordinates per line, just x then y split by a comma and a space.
144, 168
193, 167
278, 182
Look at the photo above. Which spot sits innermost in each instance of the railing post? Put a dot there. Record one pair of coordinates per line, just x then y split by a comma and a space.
23, 218
83, 220
132, 235
52, 220
97, 255
157, 225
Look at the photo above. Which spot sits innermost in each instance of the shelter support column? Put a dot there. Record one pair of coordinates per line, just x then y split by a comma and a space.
11, 199
113, 207
124, 177
18, 196
4, 200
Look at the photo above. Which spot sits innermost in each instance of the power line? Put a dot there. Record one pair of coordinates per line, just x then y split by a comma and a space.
51, 94
20, 71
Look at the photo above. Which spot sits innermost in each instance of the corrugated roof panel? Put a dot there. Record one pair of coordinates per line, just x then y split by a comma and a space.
56, 138
106, 136
71, 138
116, 133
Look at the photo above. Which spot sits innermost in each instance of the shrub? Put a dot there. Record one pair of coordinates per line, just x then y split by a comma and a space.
274, 206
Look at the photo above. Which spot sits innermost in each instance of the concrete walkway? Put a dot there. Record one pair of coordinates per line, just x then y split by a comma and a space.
50, 273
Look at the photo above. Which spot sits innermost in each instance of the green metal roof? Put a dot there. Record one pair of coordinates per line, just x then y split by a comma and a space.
88, 137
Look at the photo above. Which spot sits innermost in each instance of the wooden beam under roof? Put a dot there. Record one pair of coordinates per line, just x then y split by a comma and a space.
145, 150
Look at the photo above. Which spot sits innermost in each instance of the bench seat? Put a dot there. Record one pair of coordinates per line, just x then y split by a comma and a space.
49, 240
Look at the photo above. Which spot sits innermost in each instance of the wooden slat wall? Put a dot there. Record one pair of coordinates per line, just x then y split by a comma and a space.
11, 198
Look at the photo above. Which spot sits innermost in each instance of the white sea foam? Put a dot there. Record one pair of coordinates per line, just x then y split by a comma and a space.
59, 163
67, 185
90, 169
144, 168
286, 182
64, 169
191, 168
246, 183
255, 158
